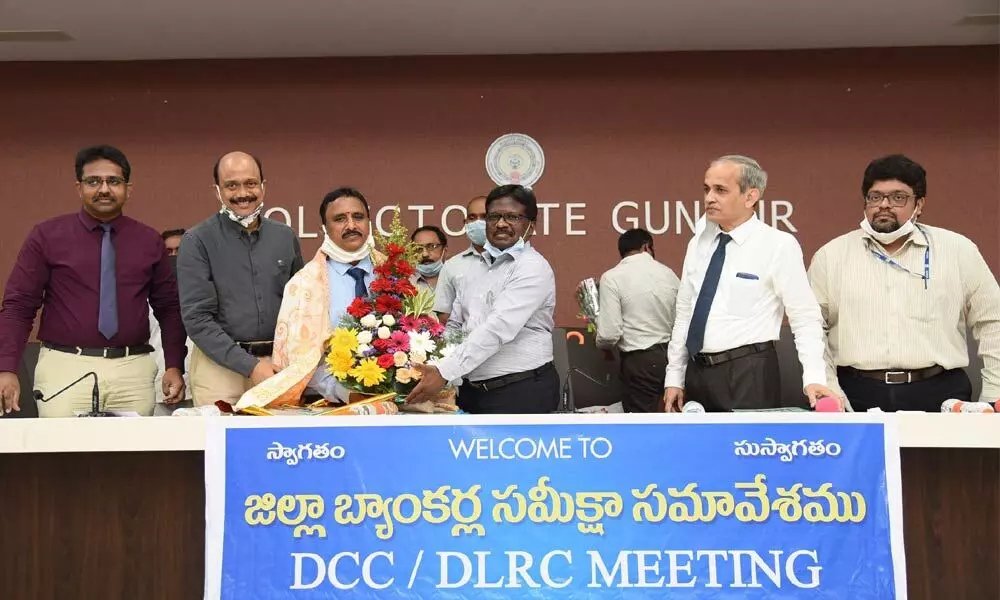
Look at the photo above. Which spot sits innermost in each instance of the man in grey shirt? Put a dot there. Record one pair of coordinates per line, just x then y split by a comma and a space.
231, 272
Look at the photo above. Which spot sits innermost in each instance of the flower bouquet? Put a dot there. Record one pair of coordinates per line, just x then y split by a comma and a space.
588, 300
375, 346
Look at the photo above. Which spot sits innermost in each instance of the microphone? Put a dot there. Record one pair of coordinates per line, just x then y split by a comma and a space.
692, 407
956, 406
95, 407
827, 404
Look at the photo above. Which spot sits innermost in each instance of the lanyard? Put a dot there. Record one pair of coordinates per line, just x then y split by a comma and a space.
927, 260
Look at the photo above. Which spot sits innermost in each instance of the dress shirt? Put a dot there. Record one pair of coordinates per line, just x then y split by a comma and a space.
341, 296
507, 316
59, 270
422, 284
880, 316
231, 281
637, 304
763, 277
453, 273
156, 342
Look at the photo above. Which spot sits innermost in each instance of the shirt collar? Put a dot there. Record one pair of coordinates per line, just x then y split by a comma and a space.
635, 258
235, 228
739, 234
917, 238
341, 268
91, 223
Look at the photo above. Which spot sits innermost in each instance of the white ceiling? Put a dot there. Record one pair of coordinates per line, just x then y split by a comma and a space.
166, 29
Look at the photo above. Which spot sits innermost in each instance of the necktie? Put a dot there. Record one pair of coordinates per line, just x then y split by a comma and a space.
699, 318
107, 316
360, 291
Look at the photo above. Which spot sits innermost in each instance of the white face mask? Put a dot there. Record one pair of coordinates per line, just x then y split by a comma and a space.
335, 252
246, 221
497, 252
887, 238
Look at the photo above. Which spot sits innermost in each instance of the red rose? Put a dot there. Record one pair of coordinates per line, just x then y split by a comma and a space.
380, 344
359, 308
387, 304
386, 360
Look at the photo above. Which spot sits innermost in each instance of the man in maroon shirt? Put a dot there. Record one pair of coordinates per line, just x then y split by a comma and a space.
95, 273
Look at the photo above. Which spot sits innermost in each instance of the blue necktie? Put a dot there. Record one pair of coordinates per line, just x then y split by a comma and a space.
699, 318
107, 317
360, 291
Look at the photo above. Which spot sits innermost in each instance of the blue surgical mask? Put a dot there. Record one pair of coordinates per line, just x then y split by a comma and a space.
429, 269
476, 232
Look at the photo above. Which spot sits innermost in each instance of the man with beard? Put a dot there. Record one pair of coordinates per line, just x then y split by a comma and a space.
95, 273
433, 246
468, 262
505, 362
232, 269
897, 297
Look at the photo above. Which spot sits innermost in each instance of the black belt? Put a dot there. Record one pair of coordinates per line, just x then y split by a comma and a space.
257, 348
116, 352
895, 376
711, 359
498, 382
661, 347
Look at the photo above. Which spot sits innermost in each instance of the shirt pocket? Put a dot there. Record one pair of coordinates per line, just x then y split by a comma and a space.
281, 269
746, 289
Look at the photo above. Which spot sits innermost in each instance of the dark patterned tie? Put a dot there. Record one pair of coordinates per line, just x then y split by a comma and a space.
699, 318
360, 291
107, 316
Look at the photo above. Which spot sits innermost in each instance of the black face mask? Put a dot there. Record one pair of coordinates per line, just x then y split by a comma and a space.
173, 264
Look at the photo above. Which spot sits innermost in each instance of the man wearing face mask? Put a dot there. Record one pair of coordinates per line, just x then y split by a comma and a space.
505, 362
95, 274
897, 297
316, 299
468, 262
433, 245
164, 405
232, 269
637, 315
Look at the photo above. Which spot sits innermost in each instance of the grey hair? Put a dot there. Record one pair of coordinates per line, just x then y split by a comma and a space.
752, 176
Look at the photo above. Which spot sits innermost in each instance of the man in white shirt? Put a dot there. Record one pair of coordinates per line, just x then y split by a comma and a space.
739, 277
637, 315
469, 261
506, 360
897, 298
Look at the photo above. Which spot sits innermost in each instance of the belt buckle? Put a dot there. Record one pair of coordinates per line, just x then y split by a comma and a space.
79, 351
889, 374
483, 387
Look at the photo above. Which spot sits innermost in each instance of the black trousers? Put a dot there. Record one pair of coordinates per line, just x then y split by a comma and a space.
535, 395
749, 382
926, 395
643, 373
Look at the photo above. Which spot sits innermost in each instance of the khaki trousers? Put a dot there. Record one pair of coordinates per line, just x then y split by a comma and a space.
211, 382
125, 384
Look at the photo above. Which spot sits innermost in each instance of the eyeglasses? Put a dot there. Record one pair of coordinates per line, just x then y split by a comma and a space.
896, 199
430, 247
510, 218
250, 185
97, 182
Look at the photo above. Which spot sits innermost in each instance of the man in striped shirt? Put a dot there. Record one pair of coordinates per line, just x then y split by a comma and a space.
897, 298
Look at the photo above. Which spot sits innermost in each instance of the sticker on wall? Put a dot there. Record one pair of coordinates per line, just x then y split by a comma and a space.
515, 158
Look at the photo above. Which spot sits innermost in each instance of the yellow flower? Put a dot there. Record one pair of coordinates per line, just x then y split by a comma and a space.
340, 362
344, 338
368, 373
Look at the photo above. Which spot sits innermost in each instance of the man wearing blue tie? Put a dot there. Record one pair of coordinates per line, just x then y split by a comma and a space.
739, 278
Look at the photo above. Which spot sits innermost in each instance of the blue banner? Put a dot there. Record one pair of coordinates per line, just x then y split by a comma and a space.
742, 506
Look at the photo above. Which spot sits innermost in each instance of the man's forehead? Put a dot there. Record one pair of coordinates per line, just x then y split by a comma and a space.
508, 205
429, 236
101, 167
346, 205
238, 167
890, 184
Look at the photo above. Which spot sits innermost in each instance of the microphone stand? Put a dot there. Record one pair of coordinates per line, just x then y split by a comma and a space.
95, 404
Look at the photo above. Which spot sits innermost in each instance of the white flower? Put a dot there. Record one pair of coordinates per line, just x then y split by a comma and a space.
446, 351
365, 337
362, 348
421, 342
369, 321
384, 333
399, 359
388, 320
418, 357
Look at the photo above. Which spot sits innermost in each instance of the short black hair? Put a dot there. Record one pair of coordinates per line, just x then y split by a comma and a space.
215, 169
632, 240
898, 167
172, 233
343, 192
520, 194
103, 152
436, 230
